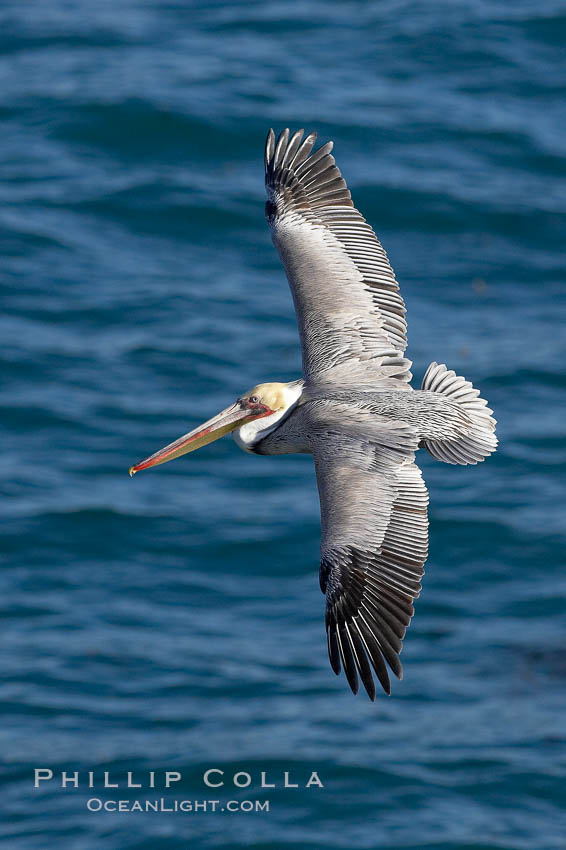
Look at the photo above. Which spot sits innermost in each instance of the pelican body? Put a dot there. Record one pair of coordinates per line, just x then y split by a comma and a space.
354, 411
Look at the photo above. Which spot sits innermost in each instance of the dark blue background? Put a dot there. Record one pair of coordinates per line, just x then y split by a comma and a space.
175, 621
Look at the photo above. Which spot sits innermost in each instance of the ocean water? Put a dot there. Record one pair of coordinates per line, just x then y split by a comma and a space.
174, 621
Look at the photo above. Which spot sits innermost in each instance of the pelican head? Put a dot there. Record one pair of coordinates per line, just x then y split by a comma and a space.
250, 418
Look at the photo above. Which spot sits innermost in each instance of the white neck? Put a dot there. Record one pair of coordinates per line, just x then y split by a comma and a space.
253, 432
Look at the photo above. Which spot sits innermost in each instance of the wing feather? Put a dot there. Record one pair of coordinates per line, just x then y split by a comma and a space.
373, 550
351, 316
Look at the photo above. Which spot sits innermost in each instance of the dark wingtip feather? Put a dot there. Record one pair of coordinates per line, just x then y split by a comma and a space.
333, 650
376, 657
280, 147
269, 148
304, 149
395, 664
361, 661
292, 148
348, 661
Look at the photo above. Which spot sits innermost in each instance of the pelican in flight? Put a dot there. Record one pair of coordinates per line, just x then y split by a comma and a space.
354, 410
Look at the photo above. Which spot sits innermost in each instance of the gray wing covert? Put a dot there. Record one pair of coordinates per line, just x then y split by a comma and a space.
350, 314
374, 545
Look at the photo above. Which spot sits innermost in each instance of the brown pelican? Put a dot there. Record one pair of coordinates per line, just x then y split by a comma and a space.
354, 410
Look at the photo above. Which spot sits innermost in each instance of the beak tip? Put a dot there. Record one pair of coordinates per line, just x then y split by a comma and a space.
132, 471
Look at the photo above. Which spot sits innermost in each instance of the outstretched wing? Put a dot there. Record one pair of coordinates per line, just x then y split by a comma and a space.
350, 314
374, 545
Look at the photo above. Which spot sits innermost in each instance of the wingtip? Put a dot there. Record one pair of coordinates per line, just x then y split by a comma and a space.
280, 147
353, 683
286, 151
370, 690
269, 146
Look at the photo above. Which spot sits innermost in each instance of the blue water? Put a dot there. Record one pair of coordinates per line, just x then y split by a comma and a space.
174, 621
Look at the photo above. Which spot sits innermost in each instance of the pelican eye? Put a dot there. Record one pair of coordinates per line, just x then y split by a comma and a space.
254, 399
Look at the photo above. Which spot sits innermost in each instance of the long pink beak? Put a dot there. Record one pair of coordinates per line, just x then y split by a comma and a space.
224, 422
